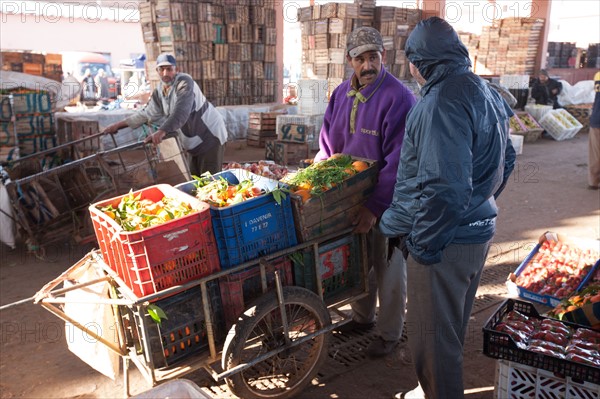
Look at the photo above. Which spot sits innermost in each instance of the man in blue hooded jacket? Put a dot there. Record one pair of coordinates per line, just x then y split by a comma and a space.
455, 159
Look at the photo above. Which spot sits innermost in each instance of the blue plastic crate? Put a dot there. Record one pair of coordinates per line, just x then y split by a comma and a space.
253, 228
549, 300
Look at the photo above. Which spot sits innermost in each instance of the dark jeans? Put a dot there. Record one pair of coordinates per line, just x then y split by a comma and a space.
211, 162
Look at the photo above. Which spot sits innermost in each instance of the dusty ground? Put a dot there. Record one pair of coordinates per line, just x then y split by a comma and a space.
546, 192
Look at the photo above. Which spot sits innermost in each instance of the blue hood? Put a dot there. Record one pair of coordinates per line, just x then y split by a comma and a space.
436, 50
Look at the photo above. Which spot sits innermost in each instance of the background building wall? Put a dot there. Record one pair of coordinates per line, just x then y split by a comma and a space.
50, 28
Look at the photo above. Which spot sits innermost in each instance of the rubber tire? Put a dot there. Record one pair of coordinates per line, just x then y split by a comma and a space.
254, 323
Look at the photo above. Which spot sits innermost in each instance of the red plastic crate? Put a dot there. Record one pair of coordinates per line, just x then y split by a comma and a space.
159, 257
239, 289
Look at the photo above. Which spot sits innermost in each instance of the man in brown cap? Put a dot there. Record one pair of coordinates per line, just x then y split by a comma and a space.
365, 118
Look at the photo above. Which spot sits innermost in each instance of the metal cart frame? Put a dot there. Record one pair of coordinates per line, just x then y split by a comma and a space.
51, 298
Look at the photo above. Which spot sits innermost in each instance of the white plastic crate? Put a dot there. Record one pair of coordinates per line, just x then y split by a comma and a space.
517, 381
537, 111
517, 142
312, 96
515, 82
560, 124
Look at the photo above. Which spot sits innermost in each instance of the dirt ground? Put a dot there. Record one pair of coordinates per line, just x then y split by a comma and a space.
547, 191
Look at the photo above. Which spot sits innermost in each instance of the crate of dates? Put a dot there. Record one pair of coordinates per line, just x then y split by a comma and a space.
516, 332
557, 267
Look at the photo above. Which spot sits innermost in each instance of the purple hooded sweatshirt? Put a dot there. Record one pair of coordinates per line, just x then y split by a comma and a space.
378, 130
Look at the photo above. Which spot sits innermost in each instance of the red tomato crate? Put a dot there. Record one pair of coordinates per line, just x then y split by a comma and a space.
239, 289
162, 256
545, 299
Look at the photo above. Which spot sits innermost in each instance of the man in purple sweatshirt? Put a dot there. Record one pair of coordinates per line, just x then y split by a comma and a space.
365, 118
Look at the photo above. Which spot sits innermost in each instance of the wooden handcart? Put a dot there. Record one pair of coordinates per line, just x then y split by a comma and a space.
51, 190
275, 347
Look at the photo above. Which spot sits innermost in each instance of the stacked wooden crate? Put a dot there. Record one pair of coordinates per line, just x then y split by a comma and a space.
46, 65
325, 28
324, 31
28, 124
296, 137
509, 46
471, 41
395, 24
228, 46
261, 127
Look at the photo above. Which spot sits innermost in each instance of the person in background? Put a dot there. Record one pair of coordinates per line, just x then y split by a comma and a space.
88, 86
456, 159
292, 97
545, 90
178, 105
594, 139
101, 82
365, 118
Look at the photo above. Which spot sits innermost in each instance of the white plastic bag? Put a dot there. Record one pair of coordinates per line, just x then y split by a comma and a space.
97, 318
7, 225
581, 93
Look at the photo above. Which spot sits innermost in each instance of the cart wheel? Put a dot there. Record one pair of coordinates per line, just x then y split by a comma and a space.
260, 330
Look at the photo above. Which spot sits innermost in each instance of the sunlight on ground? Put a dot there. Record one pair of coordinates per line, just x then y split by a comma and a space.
478, 390
514, 252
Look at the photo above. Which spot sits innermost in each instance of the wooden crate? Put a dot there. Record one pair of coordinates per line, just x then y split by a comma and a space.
74, 128
257, 15
33, 69
222, 52
54, 59
329, 10
209, 70
234, 32
258, 52
259, 33
284, 153
259, 138
336, 208
246, 34
304, 14
347, 11
321, 26
262, 120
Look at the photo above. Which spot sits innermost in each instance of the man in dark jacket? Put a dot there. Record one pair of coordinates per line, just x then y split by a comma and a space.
545, 90
594, 139
455, 159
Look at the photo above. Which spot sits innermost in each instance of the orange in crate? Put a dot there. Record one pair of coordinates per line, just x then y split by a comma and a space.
159, 257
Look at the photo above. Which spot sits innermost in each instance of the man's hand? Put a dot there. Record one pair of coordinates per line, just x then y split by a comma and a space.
364, 221
400, 243
112, 129
156, 137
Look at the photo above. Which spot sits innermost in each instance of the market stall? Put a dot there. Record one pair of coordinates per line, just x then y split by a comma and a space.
556, 353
